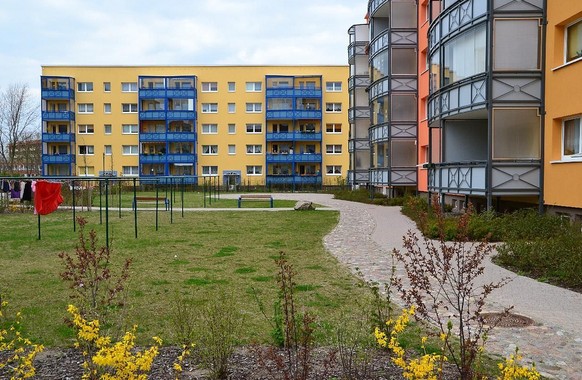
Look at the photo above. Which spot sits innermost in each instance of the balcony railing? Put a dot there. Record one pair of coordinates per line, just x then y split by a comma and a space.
152, 115
360, 81
49, 94
58, 137
294, 136
152, 137
58, 116
182, 158
288, 158
152, 158
294, 179
181, 115
289, 92
463, 96
393, 176
58, 158
293, 114
508, 178
181, 136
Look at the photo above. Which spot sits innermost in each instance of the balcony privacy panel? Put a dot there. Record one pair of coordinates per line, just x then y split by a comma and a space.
403, 15
516, 44
403, 107
465, 140
403, 153
516, 133
518, 5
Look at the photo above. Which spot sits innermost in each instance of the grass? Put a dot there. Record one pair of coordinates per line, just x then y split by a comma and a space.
198, 255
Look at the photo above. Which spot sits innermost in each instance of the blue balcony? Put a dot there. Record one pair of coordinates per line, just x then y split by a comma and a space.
308, 92
308, 136
181, 115
280, 115
152, 159
307, 114
152, 137
58, 116
49, 94
181, 136
58, 137
280, 92
152, 93
308, 179
181, 158
282, 136
152, 115
294, 179
276, 158
308, 157
280, 179
181, 93
58, 158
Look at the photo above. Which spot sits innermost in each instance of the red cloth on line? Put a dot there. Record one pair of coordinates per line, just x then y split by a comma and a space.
47, 197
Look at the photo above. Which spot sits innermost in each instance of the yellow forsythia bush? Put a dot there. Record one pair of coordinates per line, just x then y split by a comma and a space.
105, 360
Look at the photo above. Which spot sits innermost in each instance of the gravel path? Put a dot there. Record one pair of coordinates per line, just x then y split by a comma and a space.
365, 236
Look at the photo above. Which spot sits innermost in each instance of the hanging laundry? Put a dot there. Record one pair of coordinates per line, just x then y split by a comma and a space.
27, 192
47, 197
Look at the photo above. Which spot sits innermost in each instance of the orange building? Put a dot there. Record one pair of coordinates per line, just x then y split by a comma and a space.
563, 135
423, 92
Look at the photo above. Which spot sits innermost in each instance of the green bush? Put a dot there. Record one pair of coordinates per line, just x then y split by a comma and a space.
364, 196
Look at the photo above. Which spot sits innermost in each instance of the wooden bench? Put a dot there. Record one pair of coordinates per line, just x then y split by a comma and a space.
151, 199
255, 197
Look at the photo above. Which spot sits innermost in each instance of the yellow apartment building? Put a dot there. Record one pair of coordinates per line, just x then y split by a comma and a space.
258, 125
563, 139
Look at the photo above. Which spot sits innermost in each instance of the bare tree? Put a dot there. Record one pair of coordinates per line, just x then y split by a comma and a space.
18, 117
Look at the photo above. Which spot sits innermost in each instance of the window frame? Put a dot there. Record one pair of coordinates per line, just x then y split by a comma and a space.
231, 107
209, 150
83, 108
130, 107
209, 107
334, 149
231, 149
252, 86
334, 129
209, 130
134, 171
254, 107
334, 171
106, 127
254, 149
130, 153
253, 172
251, 128
211, 172
574, 58
130, 128
84, 86
106, 86
107, 148
231, 129
85, 129
209, 87
129, 86
107, 108
231, 86
574, 157
333, 107
89, 150
332, 86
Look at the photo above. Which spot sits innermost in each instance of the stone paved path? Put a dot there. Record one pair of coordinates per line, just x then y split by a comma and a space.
365, 236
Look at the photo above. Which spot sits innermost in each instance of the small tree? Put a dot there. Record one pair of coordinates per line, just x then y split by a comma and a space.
443, 285
89, 274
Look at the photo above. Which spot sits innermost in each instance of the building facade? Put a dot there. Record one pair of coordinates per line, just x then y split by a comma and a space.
258, 125
563, 140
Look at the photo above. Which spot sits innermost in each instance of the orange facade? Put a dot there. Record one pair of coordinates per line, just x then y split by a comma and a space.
563, 119
423, 91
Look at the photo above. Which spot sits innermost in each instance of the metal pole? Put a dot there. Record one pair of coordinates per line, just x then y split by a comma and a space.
107, 213
119, 205
182, 195
134, 208
100, 204
38, 226
157, 195
74, 215
171, 200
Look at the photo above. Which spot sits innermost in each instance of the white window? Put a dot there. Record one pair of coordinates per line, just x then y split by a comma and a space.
209, 107
128, 86
129, 107
129, 150
86, 129
254, 149
574, 41
254, 86
231, 149
333, 107
333, 169
333, 128
231, 107
254, 170
107, 150
254, 107
572, 140
130, 171
107, 86
85, 86
85, 107
209, 149
333, 86
254, 128
231, 87
209, 129
129, 129
333, 149
86, 149
232, 129
107, 107
107, 129
210, 170
209, 86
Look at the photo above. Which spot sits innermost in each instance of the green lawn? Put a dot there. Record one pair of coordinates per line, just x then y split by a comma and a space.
196, 257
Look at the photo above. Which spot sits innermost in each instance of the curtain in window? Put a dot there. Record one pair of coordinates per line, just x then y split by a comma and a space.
571, 137
574, 48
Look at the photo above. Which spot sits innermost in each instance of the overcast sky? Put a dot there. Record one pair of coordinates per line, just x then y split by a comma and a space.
173, 32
